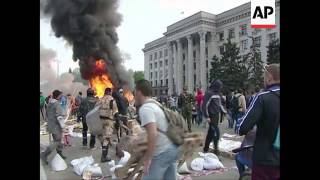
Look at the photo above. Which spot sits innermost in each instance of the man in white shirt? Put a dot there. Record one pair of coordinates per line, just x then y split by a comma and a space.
161, 156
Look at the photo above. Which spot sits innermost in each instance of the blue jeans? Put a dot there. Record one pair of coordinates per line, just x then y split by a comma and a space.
230, 118
236, 117
199, 117
241, 163
163, 166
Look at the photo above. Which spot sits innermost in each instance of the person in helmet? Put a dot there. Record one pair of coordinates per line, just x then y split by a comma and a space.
86, 105
108, 111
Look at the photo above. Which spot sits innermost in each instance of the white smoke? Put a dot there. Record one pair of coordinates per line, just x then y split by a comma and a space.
48, 76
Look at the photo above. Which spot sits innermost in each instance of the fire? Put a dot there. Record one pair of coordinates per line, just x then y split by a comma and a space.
101, 81
128, 94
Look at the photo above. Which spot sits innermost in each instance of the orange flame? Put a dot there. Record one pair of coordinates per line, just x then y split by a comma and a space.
128, 94
102, 81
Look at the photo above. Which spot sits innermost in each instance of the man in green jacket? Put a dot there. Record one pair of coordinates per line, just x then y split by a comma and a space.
42, 102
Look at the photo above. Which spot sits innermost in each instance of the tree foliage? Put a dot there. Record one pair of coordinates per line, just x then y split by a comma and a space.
138, 75
273, 55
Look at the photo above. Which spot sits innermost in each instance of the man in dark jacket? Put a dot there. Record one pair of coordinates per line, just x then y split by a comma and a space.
212, 106
56, 119
264, 111
86, 106
185, 104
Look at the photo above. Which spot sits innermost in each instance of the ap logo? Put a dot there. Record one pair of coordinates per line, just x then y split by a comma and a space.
263, 14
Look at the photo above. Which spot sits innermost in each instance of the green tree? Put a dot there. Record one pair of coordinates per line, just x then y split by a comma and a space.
254, 67
138, 75
273, 54
230, 68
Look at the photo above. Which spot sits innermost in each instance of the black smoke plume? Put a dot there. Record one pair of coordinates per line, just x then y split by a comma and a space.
90, 27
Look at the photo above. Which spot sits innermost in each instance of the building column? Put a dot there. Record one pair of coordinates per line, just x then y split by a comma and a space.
179, 67
170, 84
203, 71
175, 67
190, 65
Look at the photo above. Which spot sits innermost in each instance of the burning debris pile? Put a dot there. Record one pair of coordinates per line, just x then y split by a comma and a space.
90, 27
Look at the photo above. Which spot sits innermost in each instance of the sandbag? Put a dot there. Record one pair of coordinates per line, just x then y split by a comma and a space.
197, 164
93, 121
123, 161
211, 162
58, 164
80, 164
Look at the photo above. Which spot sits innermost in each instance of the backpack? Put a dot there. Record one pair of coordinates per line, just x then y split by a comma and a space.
235, 104
276, 141
105, 108
176, 125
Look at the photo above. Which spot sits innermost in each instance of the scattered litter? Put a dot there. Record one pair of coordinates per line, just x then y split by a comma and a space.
123, 161
206, 161
92, 172
80, 164
58, 164
184, 169
227, 145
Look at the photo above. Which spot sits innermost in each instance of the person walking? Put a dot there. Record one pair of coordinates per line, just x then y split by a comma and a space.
108, 111
185, 104
78, 101
86, 105
238, 104
264, 112
199, 101
161, 155
56, 119
212, 106
42, 103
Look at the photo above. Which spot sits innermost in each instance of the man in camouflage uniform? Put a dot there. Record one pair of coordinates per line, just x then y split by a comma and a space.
86, 105
108, 112
185, 104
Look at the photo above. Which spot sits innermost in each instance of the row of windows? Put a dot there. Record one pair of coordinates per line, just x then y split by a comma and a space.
161, 83
155, 55
160, 64
231, 32
234, 18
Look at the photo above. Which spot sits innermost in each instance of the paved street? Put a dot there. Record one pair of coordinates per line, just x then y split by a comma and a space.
76, 151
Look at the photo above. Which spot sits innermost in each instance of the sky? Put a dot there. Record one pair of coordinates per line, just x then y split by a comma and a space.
143, 21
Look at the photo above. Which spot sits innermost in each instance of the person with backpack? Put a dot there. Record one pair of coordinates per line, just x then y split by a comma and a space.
162, 136
122, 105
78, 101
264, 111
238, 105
212, 107
108, 111
87, 104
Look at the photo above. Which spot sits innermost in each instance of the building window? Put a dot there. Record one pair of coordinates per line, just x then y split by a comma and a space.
257, 41
206, 63
156, 74
194, 54
155, 65
150, 57
193, 42
194, 66
194, 80
184, 80
221, 48
156, 83
151, 84
161, 82
166, 62
150, 65
272, 37
166, 52
231, 33
244, 45
166, 82
160, 54
206, 52
184, 68
243, 30
151, 76
155, 55
160, 74
221, 36
160, 63
183, 56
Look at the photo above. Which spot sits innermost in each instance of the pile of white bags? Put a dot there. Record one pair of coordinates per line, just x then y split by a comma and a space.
91, 171
122, 162
58, 164
184, 169
207, 161
80, 164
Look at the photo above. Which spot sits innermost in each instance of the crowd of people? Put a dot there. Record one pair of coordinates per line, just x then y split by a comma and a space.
255, 114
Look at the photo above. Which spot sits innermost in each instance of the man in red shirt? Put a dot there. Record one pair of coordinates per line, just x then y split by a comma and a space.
199, 100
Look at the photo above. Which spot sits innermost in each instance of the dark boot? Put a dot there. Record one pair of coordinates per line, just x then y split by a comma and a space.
60, 153
104, 155
84, 139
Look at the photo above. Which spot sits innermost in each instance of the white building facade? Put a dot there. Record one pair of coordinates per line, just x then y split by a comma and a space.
182, 57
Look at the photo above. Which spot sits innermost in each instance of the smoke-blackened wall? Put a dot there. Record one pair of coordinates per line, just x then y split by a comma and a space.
90, 27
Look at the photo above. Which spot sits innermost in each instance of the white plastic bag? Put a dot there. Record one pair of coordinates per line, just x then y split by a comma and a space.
123, 161
80, 164
197, 164
93, 121
92, 170
211, 161
113, 169
184, 169
58, 164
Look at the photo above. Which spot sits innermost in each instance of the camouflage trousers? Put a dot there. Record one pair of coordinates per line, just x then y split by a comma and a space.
186, 113
105, 137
